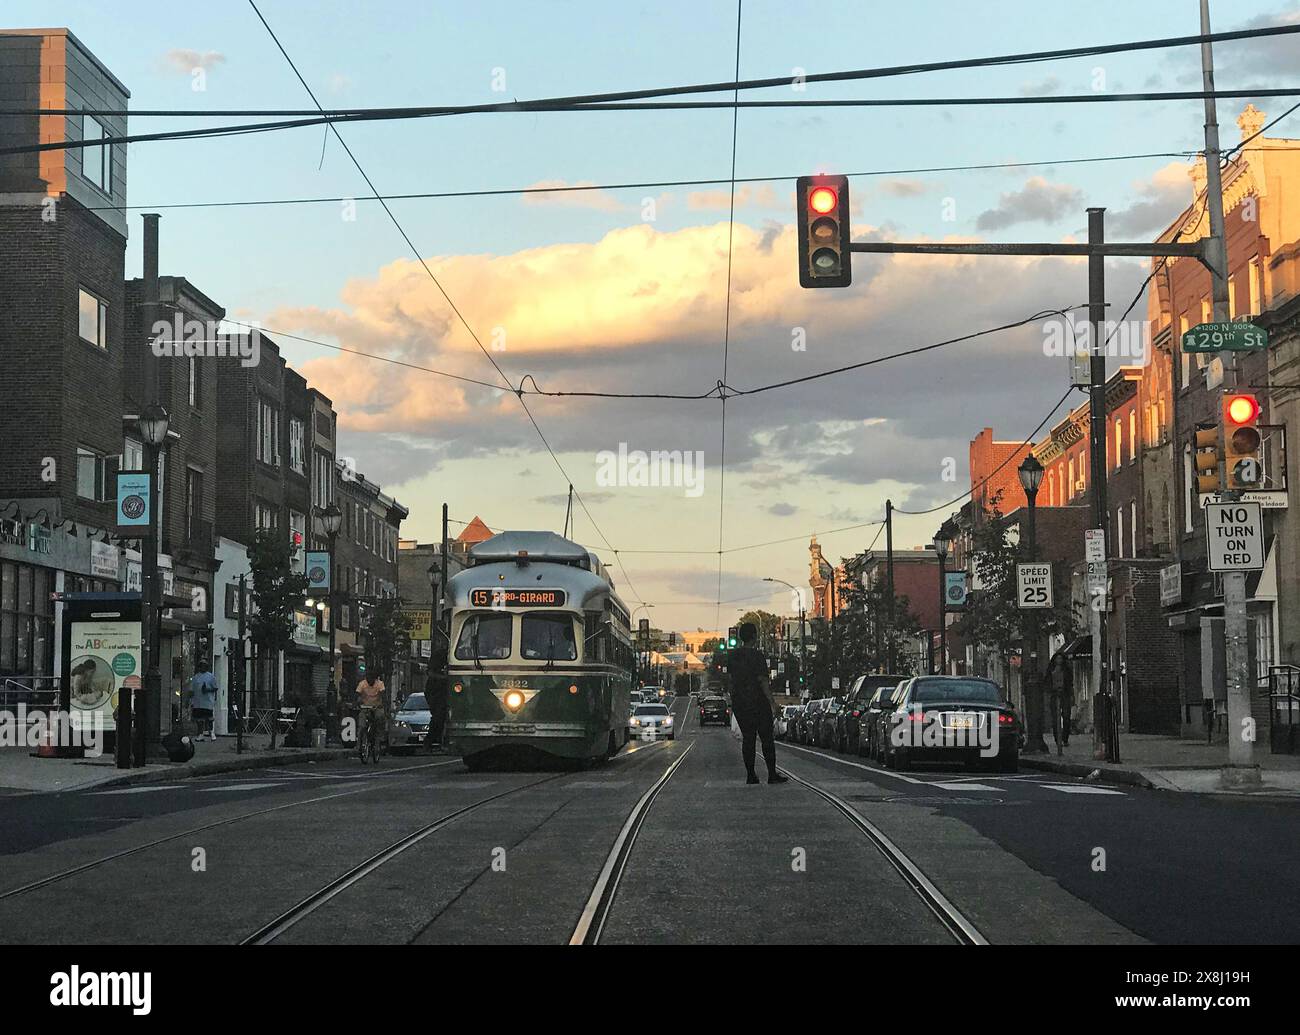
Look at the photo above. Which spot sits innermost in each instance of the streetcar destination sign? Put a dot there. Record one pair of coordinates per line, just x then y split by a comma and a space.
1234, 533
516, 597
1225, 337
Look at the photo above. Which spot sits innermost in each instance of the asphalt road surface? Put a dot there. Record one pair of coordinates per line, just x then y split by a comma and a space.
664, 844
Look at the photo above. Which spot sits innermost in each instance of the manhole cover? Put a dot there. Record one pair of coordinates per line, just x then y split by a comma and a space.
935, 799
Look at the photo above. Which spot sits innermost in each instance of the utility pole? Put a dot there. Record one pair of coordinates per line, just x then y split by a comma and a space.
1241, 769
889, 586
1105, 733
241, 666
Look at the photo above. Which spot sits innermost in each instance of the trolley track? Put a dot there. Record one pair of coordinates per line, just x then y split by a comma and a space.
963, 931
92, 864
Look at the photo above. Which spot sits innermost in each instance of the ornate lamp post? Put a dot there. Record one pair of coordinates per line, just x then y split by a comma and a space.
942, 542
331, 520
1031, 477
152, 424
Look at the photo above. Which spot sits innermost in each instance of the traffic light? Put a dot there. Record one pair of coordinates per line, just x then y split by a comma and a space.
1241, 442
822, 212
1206, 454
732, 639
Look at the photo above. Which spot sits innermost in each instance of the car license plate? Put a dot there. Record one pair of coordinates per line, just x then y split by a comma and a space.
525, 728
961, 722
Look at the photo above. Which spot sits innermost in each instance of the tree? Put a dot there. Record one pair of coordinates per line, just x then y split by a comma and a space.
864, 635
710, 645
766, 622
277, 593
387, 634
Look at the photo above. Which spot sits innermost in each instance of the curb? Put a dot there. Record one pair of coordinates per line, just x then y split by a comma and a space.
1109, 774
248, 760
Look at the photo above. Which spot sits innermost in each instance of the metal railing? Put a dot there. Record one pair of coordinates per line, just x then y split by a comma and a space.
1284, 709
15, 692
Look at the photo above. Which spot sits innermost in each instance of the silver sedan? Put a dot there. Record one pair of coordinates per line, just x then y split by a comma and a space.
650, 721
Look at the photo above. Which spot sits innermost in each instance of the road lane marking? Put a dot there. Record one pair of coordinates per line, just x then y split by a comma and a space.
590, 784
138, 790
241, 787
858, 765
1067, 789
965, 786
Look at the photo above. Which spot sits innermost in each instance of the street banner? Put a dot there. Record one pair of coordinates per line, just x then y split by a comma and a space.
318, 570
133, 518
954, 590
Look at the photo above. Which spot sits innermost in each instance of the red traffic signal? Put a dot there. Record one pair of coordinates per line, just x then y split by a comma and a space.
1241, 409
822, 215
1242, 462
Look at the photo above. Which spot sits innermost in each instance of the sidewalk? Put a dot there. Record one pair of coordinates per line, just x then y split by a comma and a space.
1169, 764
20, 771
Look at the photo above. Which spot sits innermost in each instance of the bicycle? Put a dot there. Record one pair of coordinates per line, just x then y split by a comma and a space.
369, 745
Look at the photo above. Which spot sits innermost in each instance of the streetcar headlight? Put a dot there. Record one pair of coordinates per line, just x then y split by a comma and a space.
457, 688
514, 700
573, 689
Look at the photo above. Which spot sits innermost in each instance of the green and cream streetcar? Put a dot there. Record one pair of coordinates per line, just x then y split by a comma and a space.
540, 652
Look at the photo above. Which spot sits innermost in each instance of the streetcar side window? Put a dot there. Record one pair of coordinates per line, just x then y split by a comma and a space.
492, 633
547, 637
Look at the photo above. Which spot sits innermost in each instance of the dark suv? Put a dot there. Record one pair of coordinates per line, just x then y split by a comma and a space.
714, 709
872, 720
848, 721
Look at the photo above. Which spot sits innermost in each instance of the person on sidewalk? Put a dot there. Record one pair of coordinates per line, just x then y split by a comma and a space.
751, 703
1063, 692
203, 699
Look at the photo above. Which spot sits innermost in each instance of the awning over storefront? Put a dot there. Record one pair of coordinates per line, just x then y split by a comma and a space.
1079, 647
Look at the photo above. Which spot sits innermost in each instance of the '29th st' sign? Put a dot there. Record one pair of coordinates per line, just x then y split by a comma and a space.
1234, 536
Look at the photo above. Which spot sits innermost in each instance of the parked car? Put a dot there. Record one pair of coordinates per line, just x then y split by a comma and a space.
786, 720
409, 727
714, 709
848, 721
880, 704
808, 720
826, 722
652, 720
952, 718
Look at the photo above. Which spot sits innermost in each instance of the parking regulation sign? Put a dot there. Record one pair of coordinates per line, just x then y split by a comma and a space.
1234, 534
1034, 585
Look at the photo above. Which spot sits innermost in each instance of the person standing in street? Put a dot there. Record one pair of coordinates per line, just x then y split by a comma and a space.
435, 696
203, 699
751, 703
1062, 687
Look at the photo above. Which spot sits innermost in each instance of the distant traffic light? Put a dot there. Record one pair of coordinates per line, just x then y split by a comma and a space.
1241, 442
732, 638
822, 214
1206, 457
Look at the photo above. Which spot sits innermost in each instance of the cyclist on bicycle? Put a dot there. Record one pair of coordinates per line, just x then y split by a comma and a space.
370, 699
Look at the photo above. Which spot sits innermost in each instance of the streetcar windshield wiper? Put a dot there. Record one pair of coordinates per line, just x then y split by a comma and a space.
478, 657
550, 646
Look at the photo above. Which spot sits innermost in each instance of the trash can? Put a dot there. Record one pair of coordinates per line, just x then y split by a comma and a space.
318, 738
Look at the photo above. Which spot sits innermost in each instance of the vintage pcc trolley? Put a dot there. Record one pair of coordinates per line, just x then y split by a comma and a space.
540, 652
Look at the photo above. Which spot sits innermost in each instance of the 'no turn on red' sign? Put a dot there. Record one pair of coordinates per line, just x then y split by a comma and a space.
1235, 536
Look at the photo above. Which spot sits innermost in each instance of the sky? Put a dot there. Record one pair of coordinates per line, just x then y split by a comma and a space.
626, 289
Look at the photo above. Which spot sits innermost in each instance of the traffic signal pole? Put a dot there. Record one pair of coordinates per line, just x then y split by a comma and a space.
889, 586
1241, 769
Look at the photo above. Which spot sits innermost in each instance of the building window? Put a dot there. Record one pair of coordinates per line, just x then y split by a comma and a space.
96, 162
1132, 434
132, 455
1119, 443
1256, 281
92, 318
26, 621
1183, 356
1207, 311
193, 502
323, 487
1069, 486
297, 445
297, 533
268, 433
263, 516
1133, 526
1119, 531
1189, 489
196, 383
95, 475
1263, 643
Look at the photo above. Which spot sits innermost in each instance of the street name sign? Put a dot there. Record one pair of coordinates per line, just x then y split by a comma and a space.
1034, 584
1225, 337
1234, 536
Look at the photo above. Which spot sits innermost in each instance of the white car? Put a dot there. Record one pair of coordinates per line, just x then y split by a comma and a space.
651, 720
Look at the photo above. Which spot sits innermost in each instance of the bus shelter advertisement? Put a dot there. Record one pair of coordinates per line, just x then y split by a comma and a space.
105, 661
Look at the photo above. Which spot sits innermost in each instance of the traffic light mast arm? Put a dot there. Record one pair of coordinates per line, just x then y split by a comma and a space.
1192, 249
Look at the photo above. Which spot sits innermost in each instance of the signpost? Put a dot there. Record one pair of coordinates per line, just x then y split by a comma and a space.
1225, 337
1034, 585
1234, 536
1094, 545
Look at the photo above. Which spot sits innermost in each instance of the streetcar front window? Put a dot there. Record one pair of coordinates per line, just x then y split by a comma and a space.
548, 637
490, 634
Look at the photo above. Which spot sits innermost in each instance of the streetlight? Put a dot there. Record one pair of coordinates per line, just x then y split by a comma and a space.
331, 520
1031, 477
152, 424
799, 596
942, 542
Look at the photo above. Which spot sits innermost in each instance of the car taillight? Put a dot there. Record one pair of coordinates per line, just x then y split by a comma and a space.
856, 714
917, 717
1006, 720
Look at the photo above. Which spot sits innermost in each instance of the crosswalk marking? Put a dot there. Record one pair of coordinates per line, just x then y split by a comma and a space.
1079, 789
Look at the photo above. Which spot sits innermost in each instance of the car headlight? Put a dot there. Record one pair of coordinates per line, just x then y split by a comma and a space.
401, 725
668, 721
634, 722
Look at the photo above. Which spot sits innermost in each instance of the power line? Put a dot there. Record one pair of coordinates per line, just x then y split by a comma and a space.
465, 323
578, 188
575, 101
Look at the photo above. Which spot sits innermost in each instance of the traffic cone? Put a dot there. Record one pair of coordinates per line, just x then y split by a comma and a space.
47, 747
